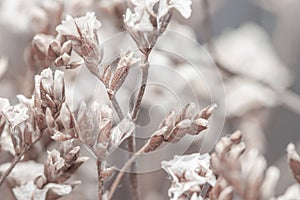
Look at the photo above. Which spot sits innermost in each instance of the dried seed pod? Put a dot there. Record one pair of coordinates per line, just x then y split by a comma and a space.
106, 75
179, 131
153, 143
187, 112
66, 47
169, 122
119, 78
62, 60
53, 49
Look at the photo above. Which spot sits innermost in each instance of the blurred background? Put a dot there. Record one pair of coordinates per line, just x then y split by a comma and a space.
248, 53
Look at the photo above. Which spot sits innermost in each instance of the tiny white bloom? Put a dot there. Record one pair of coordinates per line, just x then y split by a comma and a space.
85, 25
189, 172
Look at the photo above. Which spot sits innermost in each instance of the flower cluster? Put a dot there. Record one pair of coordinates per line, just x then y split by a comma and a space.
174, 127
151, 18
48, 181
26, 121
189, 173
82, 32
97, 131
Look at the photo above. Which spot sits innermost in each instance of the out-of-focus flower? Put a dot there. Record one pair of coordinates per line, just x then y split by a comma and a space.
189, 174
243, 96
294, 161
237, 171
3, 66
292, 192
31, 191
248, 51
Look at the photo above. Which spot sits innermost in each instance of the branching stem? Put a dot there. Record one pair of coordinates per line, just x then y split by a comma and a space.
17, 160
122, 172
133, 178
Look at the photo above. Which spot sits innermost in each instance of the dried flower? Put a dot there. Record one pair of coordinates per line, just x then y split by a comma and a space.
31, 191
189, 174
95, 125
61, 165
77, 28
147, 22
82, 32
173, 127
236, 170
115, 81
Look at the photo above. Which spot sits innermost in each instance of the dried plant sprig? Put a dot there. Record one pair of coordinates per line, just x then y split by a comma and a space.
82, 32
158, 138
47, 50
173, 127
48, 181
294, 161
102, 138
190, 174
97, 131
150, 19
237, 174
62, 164
26, 121
114, 80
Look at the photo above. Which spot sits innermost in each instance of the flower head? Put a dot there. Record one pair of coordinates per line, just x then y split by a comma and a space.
151, 18
76, 28
82, 32
189, 173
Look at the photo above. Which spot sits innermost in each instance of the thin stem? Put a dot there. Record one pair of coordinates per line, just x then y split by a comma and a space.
17, 159
288, 98
100, 181
207, 26
122, 172
133, 177
12, 165
145, 70
113, 99
116, 106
